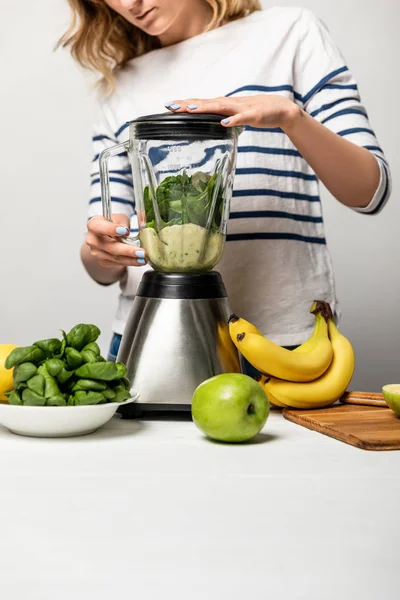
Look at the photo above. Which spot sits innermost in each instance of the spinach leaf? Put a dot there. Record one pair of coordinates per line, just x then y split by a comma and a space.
50, 347
89, 384
106, 371
93, 347
183, 199
64, 376
109, 394
121, 394
31, 398
51, 387
81, 335
86, 398
24, 372
148, 204
74, 358
36, 384
14, 397
60, 354
56, 401
55, 366
18, 356
89, 356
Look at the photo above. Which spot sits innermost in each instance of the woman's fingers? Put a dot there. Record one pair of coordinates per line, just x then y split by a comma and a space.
240, 119
220, 106
118, 228
111, 260
114, 247
103, 240
260, 110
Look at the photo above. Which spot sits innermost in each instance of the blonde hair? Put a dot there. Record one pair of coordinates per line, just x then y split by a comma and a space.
103, 41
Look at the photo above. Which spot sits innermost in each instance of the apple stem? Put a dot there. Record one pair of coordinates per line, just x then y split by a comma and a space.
251, 409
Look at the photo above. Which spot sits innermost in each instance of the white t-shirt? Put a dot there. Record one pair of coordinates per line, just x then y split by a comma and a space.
276, 261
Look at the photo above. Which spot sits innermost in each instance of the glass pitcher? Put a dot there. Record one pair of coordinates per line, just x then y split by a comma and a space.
183, 167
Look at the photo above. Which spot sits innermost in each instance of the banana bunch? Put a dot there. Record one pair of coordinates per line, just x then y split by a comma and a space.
314, 375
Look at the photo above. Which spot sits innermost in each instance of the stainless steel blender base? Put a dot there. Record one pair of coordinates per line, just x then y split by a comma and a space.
172, 344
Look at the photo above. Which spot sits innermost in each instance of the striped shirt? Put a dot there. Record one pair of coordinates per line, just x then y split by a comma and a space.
276, 260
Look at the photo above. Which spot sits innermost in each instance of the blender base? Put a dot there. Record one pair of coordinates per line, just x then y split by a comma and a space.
136, 411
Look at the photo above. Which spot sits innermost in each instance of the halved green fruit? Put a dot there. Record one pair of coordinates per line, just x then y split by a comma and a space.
391, 394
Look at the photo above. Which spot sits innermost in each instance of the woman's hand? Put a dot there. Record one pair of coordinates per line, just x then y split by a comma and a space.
350, 173
105, 242
262, 110
104, 255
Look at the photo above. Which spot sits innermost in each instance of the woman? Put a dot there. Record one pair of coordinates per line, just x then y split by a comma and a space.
275, 71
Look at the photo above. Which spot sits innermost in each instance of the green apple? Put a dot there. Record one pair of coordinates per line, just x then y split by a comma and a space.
230, 407
391, 393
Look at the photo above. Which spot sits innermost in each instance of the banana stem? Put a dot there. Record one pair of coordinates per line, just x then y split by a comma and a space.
322, 307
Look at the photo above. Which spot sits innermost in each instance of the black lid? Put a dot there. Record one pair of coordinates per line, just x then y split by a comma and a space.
187, 126
183, 286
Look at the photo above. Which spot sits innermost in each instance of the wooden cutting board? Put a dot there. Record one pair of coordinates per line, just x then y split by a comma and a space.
367, 427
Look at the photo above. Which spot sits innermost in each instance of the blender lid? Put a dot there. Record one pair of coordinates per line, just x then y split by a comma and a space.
171, 126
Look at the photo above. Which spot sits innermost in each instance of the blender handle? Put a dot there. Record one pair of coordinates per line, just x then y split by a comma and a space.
105, 185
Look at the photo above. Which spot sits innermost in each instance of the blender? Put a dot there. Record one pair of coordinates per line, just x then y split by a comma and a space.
177, 333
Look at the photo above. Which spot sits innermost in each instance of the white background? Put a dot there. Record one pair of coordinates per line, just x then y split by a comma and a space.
45, 154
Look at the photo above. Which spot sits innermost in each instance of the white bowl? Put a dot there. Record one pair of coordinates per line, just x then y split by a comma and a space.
58, 421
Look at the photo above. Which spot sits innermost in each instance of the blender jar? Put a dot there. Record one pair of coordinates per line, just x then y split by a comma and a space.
183, 168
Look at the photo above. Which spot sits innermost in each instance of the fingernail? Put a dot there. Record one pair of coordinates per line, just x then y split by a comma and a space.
168, 104
141, 261
175, 106
122, 231
139, 253
225, 121
192, 106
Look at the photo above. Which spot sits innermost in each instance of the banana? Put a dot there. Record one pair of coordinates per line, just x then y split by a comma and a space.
313, 339
272, 359
328, 388
262, 380
227, 353
238, 325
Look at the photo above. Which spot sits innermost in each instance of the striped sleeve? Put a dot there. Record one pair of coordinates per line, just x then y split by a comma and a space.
121, 186
329, 93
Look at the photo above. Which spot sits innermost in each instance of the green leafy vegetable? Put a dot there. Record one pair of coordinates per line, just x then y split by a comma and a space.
106, 371
185, 199
56, 401
89, 356
55, 366
89, 384
63, 345
122, 394
126, 383
50, 347
36, 384
32, 398
81, 335
18, 356
14, 398
64, 376
109, 394
148, 204
50, 386
74, 358
24, 372
92, 347
86, 398
65, 372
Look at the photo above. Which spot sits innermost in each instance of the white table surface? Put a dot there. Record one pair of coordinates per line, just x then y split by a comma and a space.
151, 509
